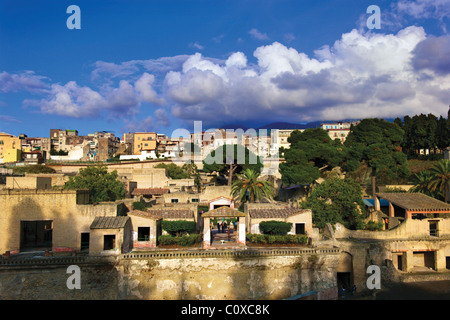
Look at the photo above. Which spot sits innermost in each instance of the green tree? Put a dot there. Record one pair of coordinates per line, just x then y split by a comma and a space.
137, 205
425, 132
248, 183
336, 200
442, 133
174, 171
441, 178
103, 186
310, 151
229, 159
378, 143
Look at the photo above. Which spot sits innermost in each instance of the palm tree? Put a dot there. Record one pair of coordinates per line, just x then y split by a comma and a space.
441, 177
422, 182
248, 182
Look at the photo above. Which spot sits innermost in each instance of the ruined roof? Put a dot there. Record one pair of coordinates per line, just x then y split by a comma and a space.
109, 222
221, 197
223, 212
274, 213
415, 201
166, 213
144, 214
149, 191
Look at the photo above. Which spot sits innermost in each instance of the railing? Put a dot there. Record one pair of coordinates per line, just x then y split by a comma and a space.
193, 254
434, 232
226, 253
46, 261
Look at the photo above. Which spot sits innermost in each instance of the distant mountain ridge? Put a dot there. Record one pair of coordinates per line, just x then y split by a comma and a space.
288, 125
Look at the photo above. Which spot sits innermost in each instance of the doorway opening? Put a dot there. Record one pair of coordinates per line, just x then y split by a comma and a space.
344, 281
85, 236
424, 259
400, 262
36, 235
345, 273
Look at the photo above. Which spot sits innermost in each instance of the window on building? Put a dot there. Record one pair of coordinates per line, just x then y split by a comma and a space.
109, 242
434, 228
143, 233
174, 200
194, 200
299, 228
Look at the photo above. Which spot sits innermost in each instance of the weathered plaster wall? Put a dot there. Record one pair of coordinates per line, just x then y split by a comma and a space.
63, 207
221, 278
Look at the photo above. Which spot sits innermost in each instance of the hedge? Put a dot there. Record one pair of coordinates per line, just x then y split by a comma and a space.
185, 241
275, 227
374, 226
179, 227
277, 239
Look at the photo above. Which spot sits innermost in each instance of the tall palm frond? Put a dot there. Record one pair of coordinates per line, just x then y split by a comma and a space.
421, 182
441, 177
248, 183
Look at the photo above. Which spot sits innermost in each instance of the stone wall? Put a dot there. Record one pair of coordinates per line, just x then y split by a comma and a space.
67, 209
58, 179
27, 182
224, 277
409, 229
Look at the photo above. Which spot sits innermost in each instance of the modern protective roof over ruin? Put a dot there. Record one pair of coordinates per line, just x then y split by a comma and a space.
415, 201
274, 212
109, 222
223, 212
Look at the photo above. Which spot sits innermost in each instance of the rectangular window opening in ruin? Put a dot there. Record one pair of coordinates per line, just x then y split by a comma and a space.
299, 228
434, 230
143, 233
109, 242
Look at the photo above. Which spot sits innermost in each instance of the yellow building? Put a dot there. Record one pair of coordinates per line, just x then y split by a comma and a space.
10, 148
144, 141
12, 155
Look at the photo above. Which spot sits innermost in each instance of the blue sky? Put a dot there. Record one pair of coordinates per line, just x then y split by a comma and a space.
160, 65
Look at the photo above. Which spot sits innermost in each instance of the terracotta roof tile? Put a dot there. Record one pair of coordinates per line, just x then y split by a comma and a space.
225, 212
149, 191
415, 201
145, 214
274, 213
109, 222
172, 213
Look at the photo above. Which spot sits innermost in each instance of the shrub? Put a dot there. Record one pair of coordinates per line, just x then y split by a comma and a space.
178, 227
374, 226
275, 227
277, 239
37, 168
185, 240
138, 206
